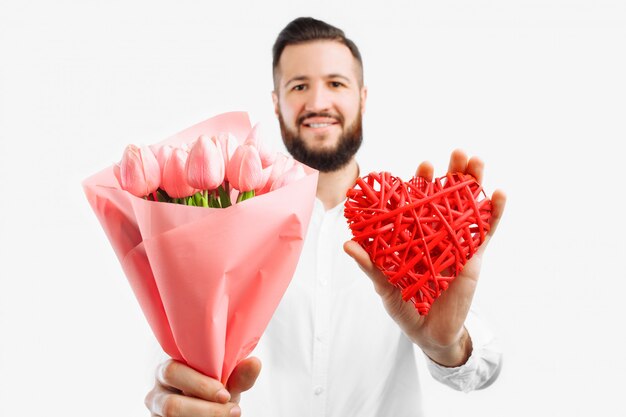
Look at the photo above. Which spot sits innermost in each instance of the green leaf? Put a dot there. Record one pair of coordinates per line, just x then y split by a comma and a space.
197, 199
224, 197
245, 196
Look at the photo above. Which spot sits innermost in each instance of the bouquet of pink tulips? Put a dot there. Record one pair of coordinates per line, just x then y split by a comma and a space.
209, 270
202, 175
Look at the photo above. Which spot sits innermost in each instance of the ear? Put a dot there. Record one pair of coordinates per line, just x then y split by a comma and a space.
363, 98
275, 101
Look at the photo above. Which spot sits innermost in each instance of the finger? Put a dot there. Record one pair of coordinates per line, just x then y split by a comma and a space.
458, 161
498, 202
191, 382
243, 377
425, 170
166, 404
362, 258
475, 168
359, 255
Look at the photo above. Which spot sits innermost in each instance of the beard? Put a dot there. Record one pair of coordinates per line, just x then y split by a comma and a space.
324, 160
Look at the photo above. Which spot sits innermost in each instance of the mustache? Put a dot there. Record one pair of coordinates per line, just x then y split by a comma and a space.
305, 116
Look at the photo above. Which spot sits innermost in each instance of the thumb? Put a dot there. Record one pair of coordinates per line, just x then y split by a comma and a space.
362, 258
243, 377
498, 201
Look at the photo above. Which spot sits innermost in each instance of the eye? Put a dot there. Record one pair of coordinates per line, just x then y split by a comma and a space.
299, 87
336, 84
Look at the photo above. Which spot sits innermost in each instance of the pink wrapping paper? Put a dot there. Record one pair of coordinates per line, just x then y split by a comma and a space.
207, 280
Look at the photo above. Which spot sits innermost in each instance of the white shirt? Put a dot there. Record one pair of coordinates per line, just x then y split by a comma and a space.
332, 350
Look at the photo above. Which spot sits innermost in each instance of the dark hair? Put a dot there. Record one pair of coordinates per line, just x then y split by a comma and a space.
307, 29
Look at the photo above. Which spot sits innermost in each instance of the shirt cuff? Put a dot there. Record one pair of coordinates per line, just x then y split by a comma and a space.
482, 367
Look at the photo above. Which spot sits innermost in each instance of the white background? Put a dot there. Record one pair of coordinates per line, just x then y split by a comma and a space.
537, 88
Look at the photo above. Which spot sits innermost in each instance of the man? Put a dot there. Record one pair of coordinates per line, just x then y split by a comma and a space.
332, 348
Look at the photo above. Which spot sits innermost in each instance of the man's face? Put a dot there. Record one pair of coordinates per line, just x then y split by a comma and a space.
319, 103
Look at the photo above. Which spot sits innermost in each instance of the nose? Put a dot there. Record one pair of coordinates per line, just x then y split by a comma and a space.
318, 99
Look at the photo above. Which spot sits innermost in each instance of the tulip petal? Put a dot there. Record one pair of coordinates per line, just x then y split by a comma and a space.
205, 165
139, 172
228, 144
174, 176
244, 171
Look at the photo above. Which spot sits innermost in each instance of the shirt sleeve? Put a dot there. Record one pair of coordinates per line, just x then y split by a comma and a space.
483, 366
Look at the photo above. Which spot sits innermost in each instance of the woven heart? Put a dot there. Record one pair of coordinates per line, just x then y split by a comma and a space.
419, 233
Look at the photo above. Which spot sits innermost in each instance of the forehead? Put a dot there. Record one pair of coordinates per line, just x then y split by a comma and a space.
317, 59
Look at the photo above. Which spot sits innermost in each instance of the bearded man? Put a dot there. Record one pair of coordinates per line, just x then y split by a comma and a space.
332, 347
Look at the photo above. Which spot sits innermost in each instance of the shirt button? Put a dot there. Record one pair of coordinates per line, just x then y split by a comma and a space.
318, 390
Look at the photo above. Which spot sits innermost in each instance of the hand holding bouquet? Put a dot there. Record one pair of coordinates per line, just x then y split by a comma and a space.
207, 262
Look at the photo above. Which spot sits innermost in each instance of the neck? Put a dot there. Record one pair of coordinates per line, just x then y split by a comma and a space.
333, 186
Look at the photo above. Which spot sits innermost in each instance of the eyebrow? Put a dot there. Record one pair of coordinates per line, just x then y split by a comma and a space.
305, 78
294, 79
346, 79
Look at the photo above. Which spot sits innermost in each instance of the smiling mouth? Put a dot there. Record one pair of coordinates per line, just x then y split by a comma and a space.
320, 123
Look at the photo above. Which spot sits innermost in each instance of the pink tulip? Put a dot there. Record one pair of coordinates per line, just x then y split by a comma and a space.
293, 175
282, 164
205, 165
228, 144
139, 172
254, 138
174, 176
262, 188
245, 171
163, 154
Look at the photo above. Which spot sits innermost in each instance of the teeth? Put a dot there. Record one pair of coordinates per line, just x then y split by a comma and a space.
316, 125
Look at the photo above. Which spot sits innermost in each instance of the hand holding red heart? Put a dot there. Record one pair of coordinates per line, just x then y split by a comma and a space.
440, 333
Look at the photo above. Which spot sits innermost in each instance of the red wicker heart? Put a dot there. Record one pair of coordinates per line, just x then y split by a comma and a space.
419, 233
